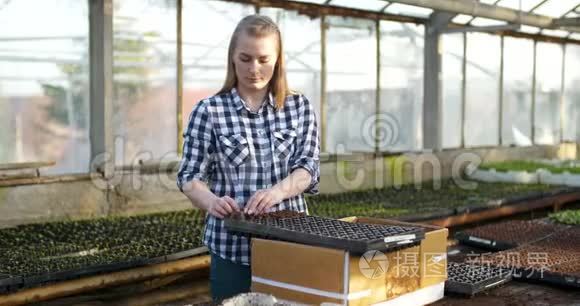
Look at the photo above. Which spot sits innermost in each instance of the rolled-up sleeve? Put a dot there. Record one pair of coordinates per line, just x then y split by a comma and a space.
198, 147
307, 153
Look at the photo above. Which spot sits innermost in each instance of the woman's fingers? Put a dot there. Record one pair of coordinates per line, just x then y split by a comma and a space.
254, 200
231, 203
217, 211
264, 204
225, 206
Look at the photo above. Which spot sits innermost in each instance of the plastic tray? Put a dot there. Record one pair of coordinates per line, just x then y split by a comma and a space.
8, 284
470, 279
507, 235
325, 232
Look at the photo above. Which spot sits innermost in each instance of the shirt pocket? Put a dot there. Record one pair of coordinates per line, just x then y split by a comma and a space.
284, 142
235, 147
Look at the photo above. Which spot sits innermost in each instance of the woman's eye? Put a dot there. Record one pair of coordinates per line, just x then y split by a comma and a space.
245, 60
264, 60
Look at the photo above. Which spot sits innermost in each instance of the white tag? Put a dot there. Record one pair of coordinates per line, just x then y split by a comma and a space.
479, 240
397, 238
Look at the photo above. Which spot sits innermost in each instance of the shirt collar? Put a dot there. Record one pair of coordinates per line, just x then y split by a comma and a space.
240, 103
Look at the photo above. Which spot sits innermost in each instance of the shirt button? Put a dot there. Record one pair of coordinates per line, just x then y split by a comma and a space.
261, 132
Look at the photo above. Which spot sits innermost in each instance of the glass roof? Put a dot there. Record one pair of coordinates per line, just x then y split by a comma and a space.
481, 22
527, 5
311, 1
369, 5
551, 8
530, 30
408, 10
557, 33
491, 2
463, 19
556, 8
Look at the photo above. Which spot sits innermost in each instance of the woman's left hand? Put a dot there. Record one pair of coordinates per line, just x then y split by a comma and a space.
262, 200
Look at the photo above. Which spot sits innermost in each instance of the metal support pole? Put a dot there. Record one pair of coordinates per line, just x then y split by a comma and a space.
500, 110
463, 90
323, 84
432, 111
534, 76
179, 77
432, 99
101, 86
562, 89
378, 86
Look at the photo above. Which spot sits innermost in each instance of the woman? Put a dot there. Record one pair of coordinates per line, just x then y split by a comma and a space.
251, 148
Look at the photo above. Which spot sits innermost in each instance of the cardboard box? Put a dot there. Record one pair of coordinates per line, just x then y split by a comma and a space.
423, 296
315, 275
433, 249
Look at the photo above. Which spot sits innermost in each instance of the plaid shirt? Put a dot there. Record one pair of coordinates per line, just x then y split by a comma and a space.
238, 152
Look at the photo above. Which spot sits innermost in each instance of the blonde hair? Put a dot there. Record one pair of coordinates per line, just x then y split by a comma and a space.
259, 26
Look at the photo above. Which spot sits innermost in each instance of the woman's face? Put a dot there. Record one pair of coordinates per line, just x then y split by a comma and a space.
255, 60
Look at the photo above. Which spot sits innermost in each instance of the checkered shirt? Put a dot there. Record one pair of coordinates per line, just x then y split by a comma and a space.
238, 152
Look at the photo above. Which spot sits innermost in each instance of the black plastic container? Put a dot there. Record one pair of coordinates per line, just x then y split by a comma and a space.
353, 237
468, 279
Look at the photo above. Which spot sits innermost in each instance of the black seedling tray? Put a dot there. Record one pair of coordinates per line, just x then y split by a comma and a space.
9, 280
470, 279
35, 280
110, 267
484, 243
547, 277
507, 235
325, 232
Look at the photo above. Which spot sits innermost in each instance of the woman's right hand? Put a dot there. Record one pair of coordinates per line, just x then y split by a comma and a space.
222, 207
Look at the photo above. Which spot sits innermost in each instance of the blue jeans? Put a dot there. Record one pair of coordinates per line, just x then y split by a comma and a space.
228, 278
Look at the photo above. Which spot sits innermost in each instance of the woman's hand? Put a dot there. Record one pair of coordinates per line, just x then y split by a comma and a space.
222, 207
262, 200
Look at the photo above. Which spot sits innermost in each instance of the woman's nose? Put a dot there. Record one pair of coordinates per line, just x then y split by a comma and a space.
254, 66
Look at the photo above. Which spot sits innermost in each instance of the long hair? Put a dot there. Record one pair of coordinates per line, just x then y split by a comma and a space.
259, 26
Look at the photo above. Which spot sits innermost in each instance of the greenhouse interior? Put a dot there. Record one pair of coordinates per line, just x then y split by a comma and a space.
423, 140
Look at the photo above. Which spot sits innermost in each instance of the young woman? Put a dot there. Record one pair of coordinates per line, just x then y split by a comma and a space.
252, 148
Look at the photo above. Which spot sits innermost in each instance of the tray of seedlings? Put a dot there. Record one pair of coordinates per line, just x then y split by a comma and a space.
571, 217
470, 279
508, 234
32, 255
540, 263
568, 273
407, 202
326, 232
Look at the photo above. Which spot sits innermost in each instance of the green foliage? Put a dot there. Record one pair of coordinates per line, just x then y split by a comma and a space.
408, 200
136, 51
61, 246
69, 245
567, 217
528, 166
128, 48
57, 109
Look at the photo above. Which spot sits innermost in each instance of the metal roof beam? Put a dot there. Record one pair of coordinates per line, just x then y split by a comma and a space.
478, 9
567, 22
